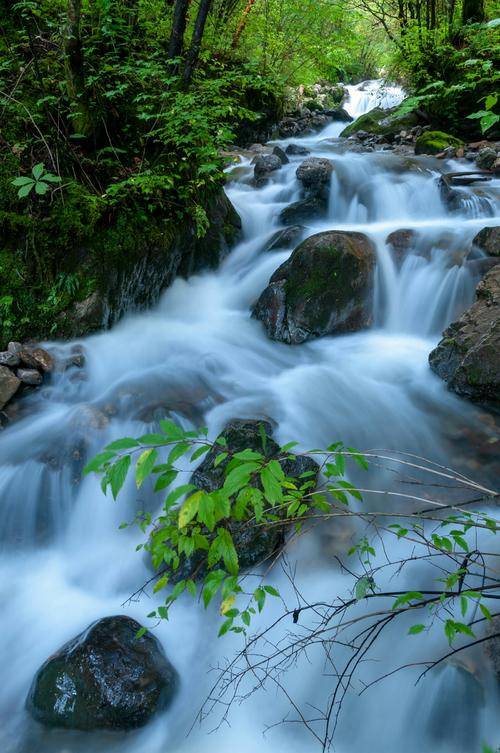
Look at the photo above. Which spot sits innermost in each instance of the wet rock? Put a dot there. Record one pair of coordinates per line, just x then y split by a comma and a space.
325, 287
278, 152
9, 384
30, 376
303, 210
14, 347
8, 358
435, 142
486, 158
105, 678
289, 236
315, 174
401, 241
488, 240
265, 164
467, 356
295, 149
338, 113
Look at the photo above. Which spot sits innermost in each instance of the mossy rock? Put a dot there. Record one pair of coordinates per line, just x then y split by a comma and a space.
387, 123
325, 287
435, 142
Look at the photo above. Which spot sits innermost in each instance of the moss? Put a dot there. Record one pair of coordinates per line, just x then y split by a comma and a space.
434, 142
383, 122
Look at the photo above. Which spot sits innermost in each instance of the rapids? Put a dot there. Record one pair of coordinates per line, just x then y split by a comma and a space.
201, 358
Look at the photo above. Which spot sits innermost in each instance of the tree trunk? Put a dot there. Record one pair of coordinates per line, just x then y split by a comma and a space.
472, 12
176, 42
241, 26
194, 49
75, 79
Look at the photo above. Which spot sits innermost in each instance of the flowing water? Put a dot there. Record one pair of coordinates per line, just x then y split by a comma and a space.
200, 358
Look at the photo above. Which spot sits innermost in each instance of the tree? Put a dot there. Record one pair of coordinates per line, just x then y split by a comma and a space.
74, 64
194, 49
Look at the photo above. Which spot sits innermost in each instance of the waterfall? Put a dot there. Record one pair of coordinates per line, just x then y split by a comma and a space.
200, 358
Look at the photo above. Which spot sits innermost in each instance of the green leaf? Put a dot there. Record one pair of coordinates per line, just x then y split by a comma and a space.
144, 466
228, 551
239, 477
362, 587
406, 598
142, 631
189, 509
220, 458
25, 190
160, 583
486, 612
200, 451
23, 180
272, 488
271, 591
127, 443
37, 171
49, 178
41, 188
118, 473
260, 598
97, 462
415, 629
154, 439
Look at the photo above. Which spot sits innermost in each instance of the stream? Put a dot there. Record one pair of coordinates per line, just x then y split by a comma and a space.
200, 358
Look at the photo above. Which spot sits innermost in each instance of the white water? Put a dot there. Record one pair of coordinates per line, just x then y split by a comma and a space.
199, 357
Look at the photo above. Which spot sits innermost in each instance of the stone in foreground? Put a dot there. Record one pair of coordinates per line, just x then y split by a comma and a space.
325, 287
105, 678
468, 356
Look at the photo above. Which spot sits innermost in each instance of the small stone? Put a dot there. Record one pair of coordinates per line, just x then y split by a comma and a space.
42, 359
30, 376
265, 164
9, 384
486, 158
8, 358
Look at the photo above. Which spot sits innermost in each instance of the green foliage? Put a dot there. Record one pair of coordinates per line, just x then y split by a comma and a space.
39, 181
192, 542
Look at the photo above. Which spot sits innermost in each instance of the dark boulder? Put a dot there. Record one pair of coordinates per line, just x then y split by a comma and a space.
265, 164
315, 174
338, 113
289, 236
280, 154
488, 240
296, 149
313, 207
467, 358
325, 287
105, 678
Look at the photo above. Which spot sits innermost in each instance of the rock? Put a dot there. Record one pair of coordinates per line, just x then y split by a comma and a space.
105, 678
43, 360
486, 158
290, 236
467, 356
254, 544
492, 646
488, 240
305, 209
495, 168
434, 142
388, 123
265, 164
325, 287
29, 376
9, 358
338, 113
288, 127
296, 149
280, 154
401, 241
315, 173
9, 384
14, 347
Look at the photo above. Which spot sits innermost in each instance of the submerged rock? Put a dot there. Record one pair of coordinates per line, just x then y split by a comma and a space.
325, 287
303, 210
467, 358
278, 152
488, 240
434, 142
285, 238
105, 678
401, 241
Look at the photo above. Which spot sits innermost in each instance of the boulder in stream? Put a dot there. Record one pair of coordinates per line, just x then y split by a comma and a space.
264, 165
387, 123
467, 358
9, 384
105, 678
311, 208
289, 236
488, 240
325, 287
296, 149
315, 174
